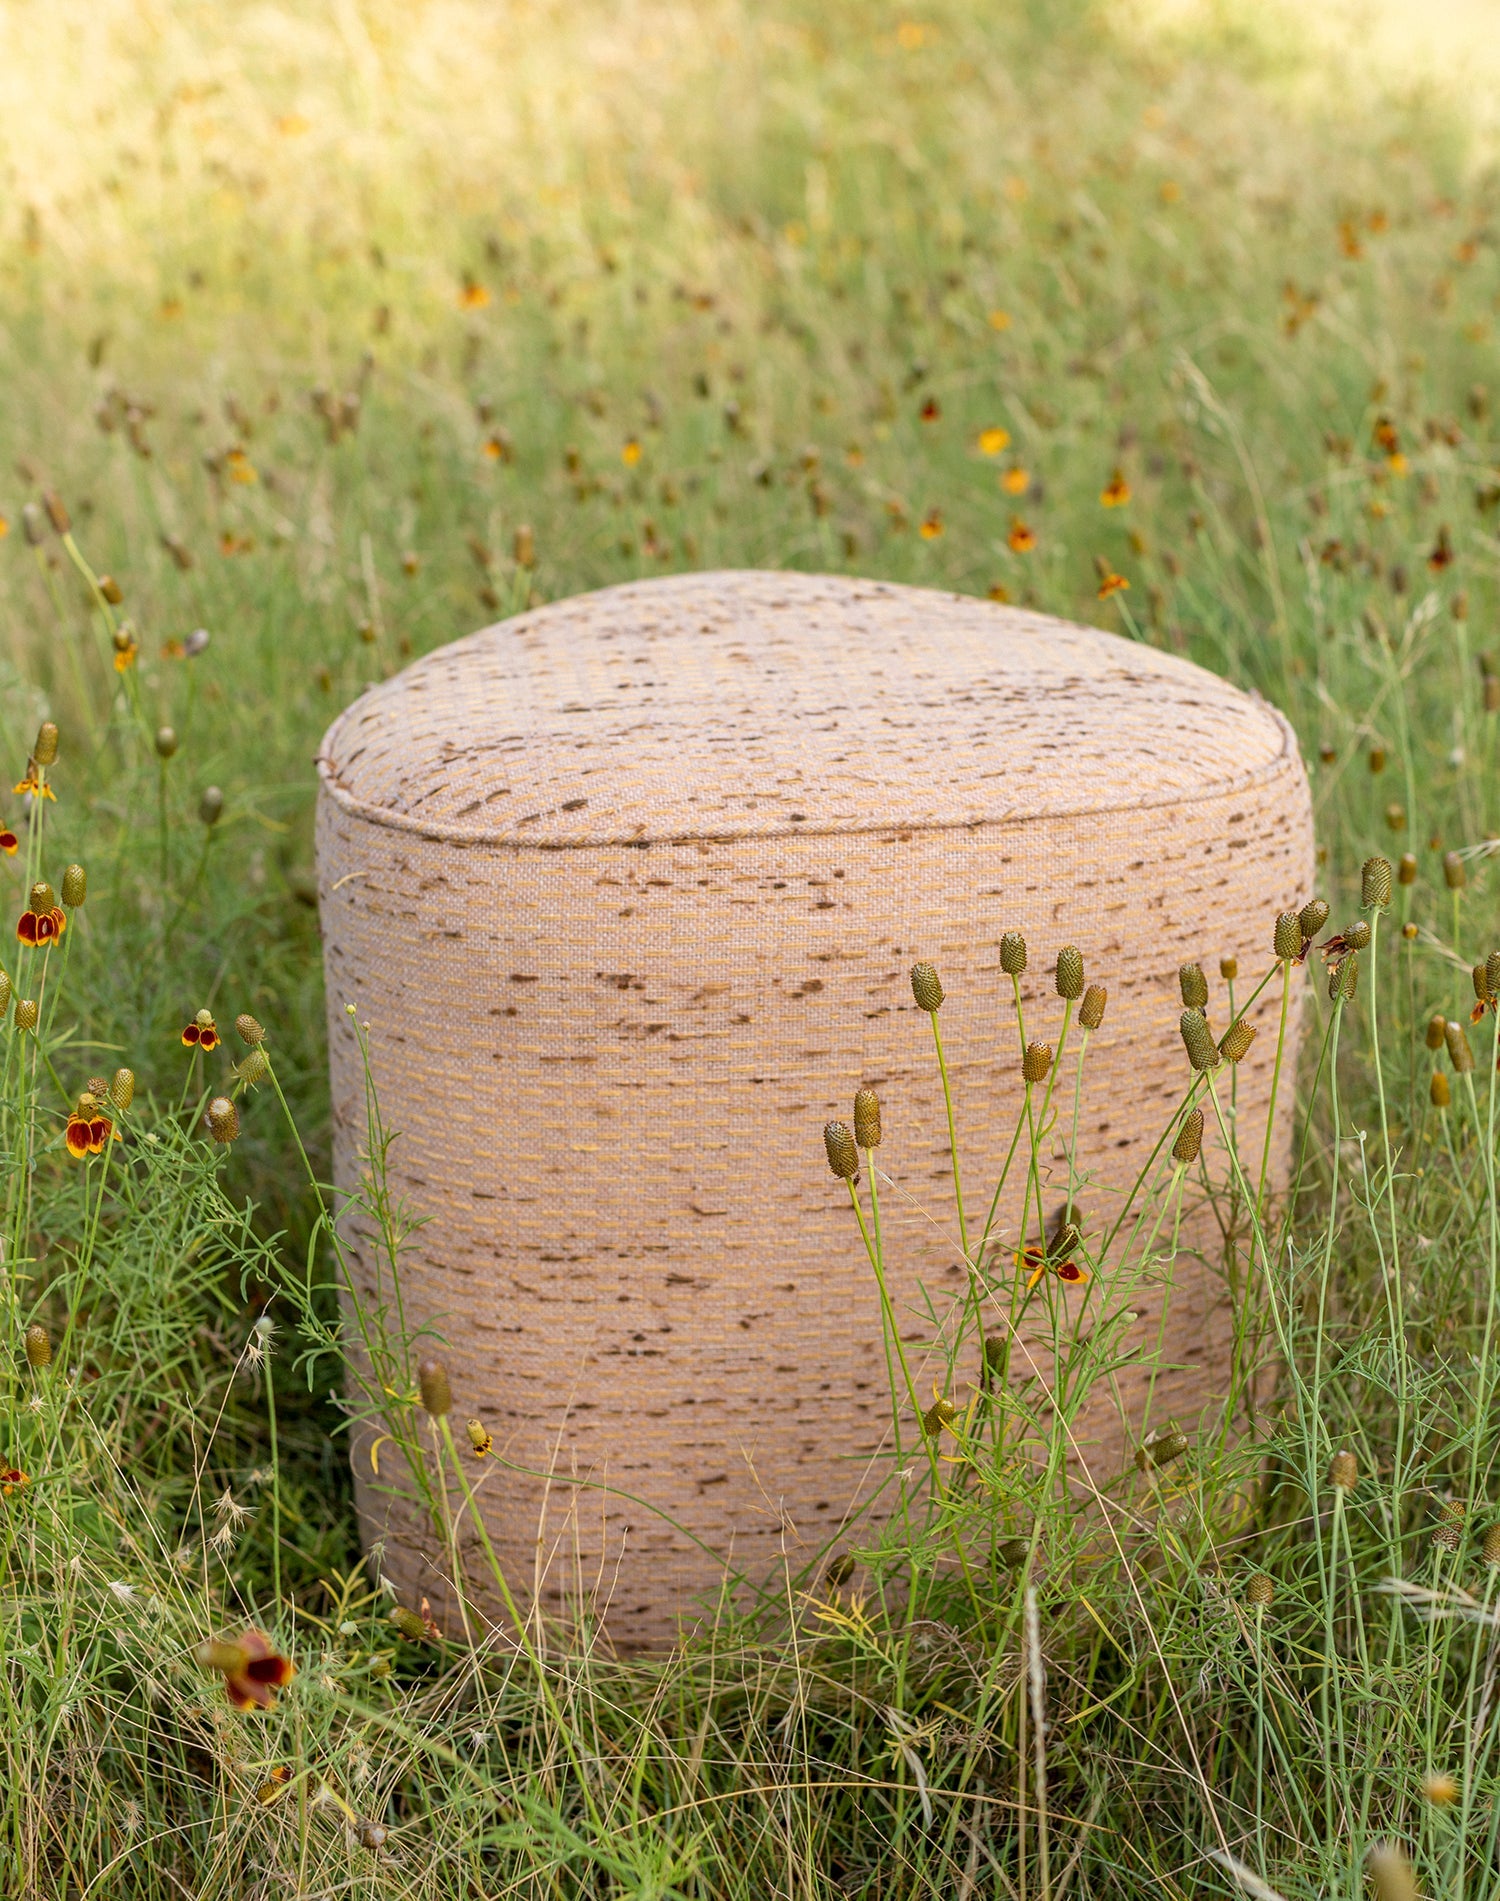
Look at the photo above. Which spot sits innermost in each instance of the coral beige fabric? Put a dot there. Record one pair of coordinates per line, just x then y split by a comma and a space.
627, 890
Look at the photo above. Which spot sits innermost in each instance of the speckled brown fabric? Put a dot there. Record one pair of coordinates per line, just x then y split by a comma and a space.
627, 890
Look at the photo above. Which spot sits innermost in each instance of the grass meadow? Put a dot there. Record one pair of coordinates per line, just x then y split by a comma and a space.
331, 329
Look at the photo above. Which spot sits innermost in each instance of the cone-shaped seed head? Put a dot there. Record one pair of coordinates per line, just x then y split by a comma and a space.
1437, 1028
1357, 934
1406, 870
926, 988
1036, 1062
1070, 973
1343, 979
254, 1068
26, 1013
1203, 1052
1189, 1138
223, 1119
867, 1119
1229, 968
57, 510
1492, 972
211, 805
1375, 882
1259, 1592
843, 1156
1439, 1091
1492, 1545
1455, 871
75, 886
1459, 1052
1234, 1045
409, 1624
1013, 954
38, 1346
43, 897
1481, 981
4, 993
1091, 1010
44, 752
1343, 1471
1288, 936
1194, 986
1312, 917
437, 1394
249, 1030
122, 1088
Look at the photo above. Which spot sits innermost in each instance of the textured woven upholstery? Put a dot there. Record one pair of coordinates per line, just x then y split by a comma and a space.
627, 890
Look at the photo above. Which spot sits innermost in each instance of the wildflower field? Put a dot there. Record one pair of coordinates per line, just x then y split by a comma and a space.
331, 329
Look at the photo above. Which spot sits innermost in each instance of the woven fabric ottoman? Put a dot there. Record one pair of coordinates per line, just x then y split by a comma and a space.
627, 891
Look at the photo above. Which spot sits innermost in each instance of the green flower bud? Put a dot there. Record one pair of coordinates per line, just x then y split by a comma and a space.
867, 1119
1312, 917
1037, 1062
1013, 954
1375, 883
1091, 1010
1288, 936
843, 1156
1459, 1052
926, 988
1189, 1138
75, 886
1070, 973
1234, 1045
1198, 1038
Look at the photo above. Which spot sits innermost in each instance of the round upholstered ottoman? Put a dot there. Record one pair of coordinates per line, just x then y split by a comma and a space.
627, 890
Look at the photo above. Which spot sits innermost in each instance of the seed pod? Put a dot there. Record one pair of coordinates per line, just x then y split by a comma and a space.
75, 886
1492, 972
1161, 1449
926, 988
109, 587
1439, 1090
1203, 1052
98, 1087
38, 1347
867, 1119
43, 898
480, 1438
1455, 871
1491, 1549
437, 1394
409, 1624
1288, 939
1234, 1045
166, 741
1259, 1592
1357, 935
249, 1030
57, 512
843, 1156
1194, 986
1437, 1027
31, 525
4, 993
1375, 882
1070, 973
1036, 1062
1406, 870
211, 805
1480, 978
223, 1120
1311, 918
1459, 1052
1091, 1010
1189, 1139
26, 1013
370, 1834
1229, 968
1013, 954
122, 1088
1390, 1873
44, 752
1343, 1471
253, 1068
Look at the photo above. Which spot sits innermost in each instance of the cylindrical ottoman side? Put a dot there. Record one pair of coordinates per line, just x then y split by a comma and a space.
651, 1288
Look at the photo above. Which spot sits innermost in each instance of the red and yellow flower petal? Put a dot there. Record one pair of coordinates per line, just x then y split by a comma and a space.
99, 1133
26, 927
9, 843
190, 1036
77, 1137
59, 919
208, 1039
